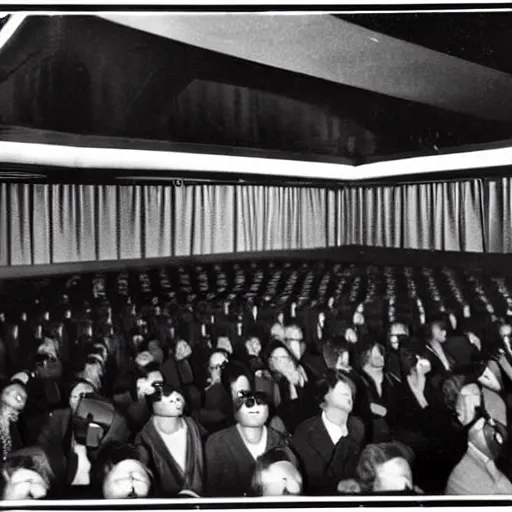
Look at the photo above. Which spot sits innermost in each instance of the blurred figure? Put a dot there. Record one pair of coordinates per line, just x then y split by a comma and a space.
476, 473
12, 402
276, 474
120, 473
385, 467
27, 475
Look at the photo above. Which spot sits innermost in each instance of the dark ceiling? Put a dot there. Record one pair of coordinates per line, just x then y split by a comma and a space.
481, 37
85, 75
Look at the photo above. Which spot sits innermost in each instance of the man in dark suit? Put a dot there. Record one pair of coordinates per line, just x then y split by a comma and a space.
329, 445
231, 453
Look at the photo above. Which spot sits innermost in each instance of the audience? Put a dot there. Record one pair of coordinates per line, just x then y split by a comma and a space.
178, 383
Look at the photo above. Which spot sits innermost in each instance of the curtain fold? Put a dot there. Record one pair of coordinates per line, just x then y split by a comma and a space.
43, 224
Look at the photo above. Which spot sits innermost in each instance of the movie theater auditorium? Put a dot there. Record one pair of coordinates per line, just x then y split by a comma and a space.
182, 322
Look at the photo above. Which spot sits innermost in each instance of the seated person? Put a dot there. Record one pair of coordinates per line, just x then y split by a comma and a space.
328, 445
27, 475
385, 467
441, 363
381, 389
476, 473
12, 402
171, 445
337, 355
276, 474
397, 335
139, 412
71, 438
119, 473
424, 424
294, 387
211, 416
231, 454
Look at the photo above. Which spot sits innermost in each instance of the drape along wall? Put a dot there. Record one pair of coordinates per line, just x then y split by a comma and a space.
42, 224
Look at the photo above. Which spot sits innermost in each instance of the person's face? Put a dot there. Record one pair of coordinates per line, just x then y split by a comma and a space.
254, 416
171, 406
506, 332
393, 475
343, 362
127, 479
281, 361
351, 335
439, 333
253, 346
216, 364
399, 329
240, 384
280, 479
277, 332
77, 393
376, 357
340, 397
475, 340
25, 484
144, 358
14, 396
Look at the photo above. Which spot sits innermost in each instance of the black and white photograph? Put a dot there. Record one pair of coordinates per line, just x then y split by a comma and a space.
255, 256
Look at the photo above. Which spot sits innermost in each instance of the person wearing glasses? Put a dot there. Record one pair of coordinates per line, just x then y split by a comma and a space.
329, 444
57, 439
171, 445
231, 454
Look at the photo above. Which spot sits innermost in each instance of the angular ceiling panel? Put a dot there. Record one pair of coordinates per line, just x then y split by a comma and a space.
330, 48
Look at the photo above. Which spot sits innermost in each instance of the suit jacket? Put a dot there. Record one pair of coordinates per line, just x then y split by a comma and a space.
170, 477
324, 464
55, 439
229, 464
382, 426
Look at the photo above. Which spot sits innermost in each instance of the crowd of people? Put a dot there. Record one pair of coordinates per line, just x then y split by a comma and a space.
256, 379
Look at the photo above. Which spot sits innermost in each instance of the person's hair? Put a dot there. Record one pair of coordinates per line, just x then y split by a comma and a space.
374, 455
265, 461
151, 367
231, 372
408, 359
329, 380
332, 350
364, 349
33, 458
428, 328
108, 457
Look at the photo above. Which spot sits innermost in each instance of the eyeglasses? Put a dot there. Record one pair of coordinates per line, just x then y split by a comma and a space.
250, 399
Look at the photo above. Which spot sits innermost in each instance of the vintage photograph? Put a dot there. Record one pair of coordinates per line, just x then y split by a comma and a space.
255, 253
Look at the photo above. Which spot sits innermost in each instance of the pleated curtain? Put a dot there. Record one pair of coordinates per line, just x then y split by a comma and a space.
44, 224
